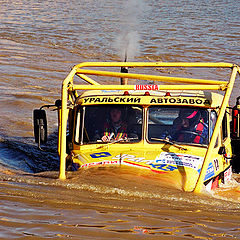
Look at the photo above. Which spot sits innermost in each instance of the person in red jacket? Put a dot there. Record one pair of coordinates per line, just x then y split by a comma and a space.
115, 128
190, 127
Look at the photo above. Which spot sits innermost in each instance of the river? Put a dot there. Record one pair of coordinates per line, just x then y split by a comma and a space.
39, 43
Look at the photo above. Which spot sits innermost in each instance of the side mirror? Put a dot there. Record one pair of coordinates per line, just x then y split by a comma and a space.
58, 103
40, 126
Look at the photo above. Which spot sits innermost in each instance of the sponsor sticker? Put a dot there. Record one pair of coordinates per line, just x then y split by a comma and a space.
128, 157
146, 87
150, 100
99, 163
228, 175
111, 99
179, 100
100, 155
210, 171
184, 160
163, 167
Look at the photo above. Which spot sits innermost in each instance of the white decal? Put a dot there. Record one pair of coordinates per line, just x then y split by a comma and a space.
228, 175
99, 163
128, 157
184, 160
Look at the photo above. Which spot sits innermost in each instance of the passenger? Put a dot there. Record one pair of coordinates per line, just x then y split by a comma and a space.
115, 128
190, 127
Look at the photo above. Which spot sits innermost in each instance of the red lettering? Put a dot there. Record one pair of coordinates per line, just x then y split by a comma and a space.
146, 87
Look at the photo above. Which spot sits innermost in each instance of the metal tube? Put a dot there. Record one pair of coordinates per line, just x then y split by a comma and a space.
155, 64
124, 81
63, 124
160, 87
149, 77
88, 79
59, 129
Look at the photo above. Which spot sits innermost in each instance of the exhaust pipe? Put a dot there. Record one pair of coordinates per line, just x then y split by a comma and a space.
124, 81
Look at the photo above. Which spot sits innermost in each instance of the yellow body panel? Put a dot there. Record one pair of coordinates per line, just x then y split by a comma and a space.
177, 164
181, 166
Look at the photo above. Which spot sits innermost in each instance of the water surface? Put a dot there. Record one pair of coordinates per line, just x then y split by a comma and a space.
39, 43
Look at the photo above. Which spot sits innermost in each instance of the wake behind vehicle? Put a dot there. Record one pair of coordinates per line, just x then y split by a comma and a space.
181, 129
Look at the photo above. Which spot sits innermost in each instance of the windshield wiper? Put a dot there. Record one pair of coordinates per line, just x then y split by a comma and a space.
166, 140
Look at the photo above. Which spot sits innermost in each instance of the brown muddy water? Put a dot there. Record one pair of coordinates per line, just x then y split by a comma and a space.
39, 43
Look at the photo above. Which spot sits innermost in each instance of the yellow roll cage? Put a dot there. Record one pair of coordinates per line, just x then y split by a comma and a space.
69, 90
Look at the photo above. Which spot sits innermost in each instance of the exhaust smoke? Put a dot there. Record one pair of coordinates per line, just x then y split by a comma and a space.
127, 42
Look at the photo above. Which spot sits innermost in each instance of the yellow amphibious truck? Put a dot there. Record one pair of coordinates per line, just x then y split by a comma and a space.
182, 129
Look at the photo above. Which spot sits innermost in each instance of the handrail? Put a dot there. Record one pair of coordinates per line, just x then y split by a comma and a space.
81, 72
156, 64
159, 87
87, 79
149, 77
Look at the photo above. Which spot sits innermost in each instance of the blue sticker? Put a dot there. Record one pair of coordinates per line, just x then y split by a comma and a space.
163, 167
100, 155
210, 171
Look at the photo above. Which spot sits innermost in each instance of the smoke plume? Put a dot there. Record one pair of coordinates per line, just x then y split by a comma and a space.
127, 42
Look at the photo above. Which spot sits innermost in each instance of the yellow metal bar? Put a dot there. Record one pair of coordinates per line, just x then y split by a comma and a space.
149, 77
160, 87
87, 79
63, 126
238, 69
216, 131
155, 64
59, 130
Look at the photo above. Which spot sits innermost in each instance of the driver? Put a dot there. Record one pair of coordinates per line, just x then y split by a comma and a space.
115, 128
190, 127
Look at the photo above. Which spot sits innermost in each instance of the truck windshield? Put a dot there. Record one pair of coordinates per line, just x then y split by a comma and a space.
109, 123
179, 124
